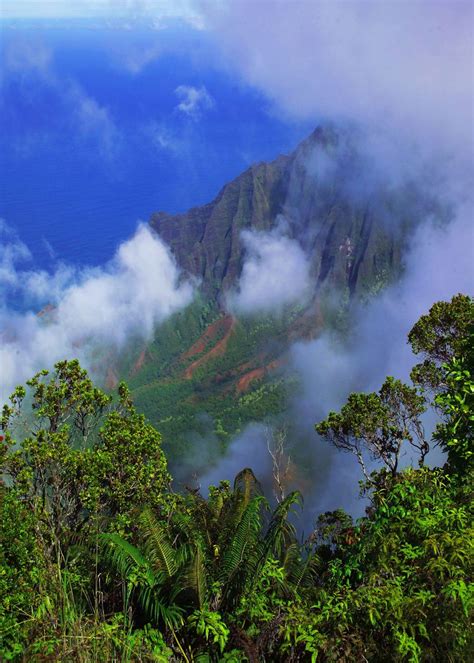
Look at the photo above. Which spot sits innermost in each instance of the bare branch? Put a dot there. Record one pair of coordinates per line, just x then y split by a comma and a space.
276, 443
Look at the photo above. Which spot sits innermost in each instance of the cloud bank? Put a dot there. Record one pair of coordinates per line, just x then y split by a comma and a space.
160, 12
438, 266
135, 59
275, 273
88, 309
401, 64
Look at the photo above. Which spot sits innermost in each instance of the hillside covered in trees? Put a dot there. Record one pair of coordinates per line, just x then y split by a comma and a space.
101, 560
225, 360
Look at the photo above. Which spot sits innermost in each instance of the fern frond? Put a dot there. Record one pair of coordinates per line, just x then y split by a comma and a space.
304, 572
281, 533
242, 545
247, 486
311, 572
159, 610
126, 557
195, 577
290, 557
158, 549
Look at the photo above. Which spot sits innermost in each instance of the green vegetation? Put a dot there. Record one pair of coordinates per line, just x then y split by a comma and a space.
353, 245
174, 402
101, 561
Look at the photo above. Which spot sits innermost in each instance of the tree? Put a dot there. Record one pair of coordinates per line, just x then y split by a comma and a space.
379, 423
75, 461
78, 455
456, 405
438, 336
399, 587
444, 338
22, 572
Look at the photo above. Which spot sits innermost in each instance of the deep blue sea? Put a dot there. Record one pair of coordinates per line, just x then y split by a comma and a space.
92, 139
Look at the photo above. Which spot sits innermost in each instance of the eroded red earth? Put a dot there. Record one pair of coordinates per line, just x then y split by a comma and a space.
225, 325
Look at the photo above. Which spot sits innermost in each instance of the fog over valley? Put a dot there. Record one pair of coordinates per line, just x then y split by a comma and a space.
344, 243
236, 331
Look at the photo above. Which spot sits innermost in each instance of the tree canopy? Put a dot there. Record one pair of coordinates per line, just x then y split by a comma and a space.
100, 560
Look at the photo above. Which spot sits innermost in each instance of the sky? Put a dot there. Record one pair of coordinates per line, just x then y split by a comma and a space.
104, 127
157, 10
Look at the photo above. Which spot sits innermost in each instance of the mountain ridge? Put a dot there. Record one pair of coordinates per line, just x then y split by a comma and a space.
208, 374
348, 241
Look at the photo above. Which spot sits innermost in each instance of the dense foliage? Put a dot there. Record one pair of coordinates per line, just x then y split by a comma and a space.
101, 561
173, 400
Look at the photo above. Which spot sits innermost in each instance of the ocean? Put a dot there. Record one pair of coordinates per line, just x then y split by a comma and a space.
93, 138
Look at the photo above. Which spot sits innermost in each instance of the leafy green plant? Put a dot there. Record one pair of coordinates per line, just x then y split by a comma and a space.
210, 626
101, 561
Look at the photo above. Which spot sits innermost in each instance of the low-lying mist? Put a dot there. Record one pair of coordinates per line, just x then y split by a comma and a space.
84, 313
437, 266
397, 78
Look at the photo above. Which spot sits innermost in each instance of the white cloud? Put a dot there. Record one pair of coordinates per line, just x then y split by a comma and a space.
438, 266
23, 55
163, 12
163, 138
397, 75
157, 12
91, 120
401, 64
93, 308
55, 8
12, 252
194, 101
275, 273
247, 449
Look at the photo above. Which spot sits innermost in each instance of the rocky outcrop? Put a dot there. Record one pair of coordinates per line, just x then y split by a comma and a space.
352, 239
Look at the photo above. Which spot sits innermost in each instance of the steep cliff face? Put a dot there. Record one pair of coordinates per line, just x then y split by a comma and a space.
206, 240
348, 233
352, 225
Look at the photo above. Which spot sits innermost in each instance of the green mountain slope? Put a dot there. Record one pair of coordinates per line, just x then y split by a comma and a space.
350, 239
202, 360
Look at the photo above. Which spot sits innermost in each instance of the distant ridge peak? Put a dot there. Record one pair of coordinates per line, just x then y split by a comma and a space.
310, 188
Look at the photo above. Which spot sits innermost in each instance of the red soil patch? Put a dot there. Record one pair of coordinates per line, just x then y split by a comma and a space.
244, 382
208, 335
111, 380
276, 363
248, 365
226, 324
139, 363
